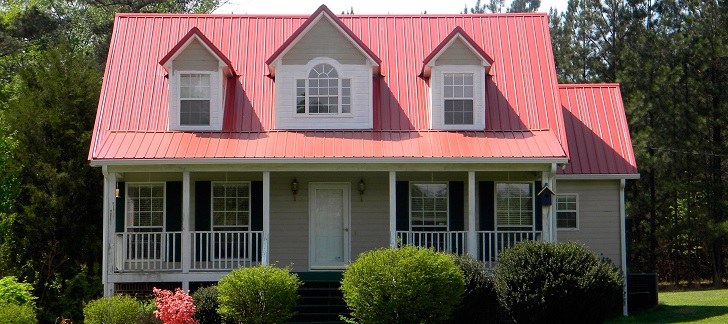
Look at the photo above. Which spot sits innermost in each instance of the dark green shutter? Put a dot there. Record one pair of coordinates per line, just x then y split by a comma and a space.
174, 206
174, 220
256, 205
538, 212
120, 207
202, 205
486, 196
456, 197
402, 208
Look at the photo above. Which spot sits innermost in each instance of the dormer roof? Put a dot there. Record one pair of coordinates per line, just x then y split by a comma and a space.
196, 35
322, 12
457, 35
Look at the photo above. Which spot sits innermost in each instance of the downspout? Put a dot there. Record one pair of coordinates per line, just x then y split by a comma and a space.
623, 233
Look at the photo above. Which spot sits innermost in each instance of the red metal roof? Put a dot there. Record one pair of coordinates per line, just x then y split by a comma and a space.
330, 144
196, 32
522, 94
596, 127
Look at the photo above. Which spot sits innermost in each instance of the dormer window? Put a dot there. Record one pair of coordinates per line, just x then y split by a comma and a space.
323, 92
457, 69
458, 98
197, 73
194, 99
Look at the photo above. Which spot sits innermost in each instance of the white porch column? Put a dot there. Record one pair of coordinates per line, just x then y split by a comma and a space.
393, 209
186, 238
265, 257
623, 245
109, 200
472, 227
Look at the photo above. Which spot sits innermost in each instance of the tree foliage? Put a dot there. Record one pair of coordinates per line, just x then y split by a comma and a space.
671, 58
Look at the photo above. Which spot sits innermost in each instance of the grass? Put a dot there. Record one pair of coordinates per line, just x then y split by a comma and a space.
704, 306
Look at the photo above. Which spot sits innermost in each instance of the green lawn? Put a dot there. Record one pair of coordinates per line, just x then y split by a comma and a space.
705, 306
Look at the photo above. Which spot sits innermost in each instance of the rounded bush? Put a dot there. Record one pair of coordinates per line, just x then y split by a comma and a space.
557, 283
115, 310
406, 285
14, 292
480, 301
17, 314
206, 303
262, 294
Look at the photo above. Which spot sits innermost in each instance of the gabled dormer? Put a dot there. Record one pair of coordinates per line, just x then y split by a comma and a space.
197, 71
323, 76
457, 69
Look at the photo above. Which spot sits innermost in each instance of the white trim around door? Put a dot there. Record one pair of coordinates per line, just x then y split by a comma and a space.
329, 222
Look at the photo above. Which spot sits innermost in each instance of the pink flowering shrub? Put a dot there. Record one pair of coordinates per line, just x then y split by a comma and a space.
174, 308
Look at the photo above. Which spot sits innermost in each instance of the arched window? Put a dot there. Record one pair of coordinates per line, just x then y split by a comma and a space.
323, 92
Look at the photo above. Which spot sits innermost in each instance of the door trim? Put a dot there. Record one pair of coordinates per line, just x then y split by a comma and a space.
346, 189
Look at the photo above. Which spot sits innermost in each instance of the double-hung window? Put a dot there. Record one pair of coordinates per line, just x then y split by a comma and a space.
514, 206
145, 220
195, 98
458, 98
429, 206
231, 221
567, 211
323, 92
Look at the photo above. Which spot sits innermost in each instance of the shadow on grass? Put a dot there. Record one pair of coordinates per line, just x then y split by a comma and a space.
675, 314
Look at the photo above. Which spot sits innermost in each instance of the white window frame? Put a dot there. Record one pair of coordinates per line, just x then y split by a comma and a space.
212, 206
533, 206
127, 227
447, 201
127, 211
209, 98
576, 212
340, 78
437, 97
445, 98
216, 101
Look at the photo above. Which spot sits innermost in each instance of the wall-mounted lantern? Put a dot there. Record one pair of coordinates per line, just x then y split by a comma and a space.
362, 188
294, 188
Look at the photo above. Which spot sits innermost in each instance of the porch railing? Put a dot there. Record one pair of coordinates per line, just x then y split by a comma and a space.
450, 241
225, 250
141, 251
492, 243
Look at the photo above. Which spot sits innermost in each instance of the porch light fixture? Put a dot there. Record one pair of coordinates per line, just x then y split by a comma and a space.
294, 188
362, 188
117, 193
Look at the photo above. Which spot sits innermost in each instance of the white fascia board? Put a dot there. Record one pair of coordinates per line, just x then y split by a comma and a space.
613, 176
99, 162
184, 46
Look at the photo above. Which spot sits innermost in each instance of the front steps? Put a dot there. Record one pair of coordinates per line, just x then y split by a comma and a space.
320, 300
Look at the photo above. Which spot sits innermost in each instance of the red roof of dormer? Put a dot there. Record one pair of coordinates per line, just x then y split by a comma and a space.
457, 31
323, 10
195, 32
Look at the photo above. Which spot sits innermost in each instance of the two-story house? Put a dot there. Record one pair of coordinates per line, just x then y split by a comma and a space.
228, 141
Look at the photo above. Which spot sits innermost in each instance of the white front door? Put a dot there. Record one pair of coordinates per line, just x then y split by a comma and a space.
329, 225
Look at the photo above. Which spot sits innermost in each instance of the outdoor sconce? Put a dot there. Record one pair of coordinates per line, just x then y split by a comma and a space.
117, 193
294, 188
362, 188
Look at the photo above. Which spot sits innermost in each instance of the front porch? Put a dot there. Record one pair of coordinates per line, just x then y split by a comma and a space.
195, 226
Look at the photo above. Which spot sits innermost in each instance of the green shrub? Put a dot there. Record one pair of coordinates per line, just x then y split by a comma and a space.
557, 283
116, 309
480, 301
206, 302
17, 314
262, 294
14, 292
406, 285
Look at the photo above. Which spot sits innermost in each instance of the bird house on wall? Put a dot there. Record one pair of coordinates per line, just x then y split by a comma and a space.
545, 196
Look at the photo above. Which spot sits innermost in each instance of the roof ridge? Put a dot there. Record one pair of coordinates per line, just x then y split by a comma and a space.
305, 16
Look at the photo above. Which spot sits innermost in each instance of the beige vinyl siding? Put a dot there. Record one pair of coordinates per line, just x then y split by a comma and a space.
598, 216
195, 57
289, 219
458, 54
324, 39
